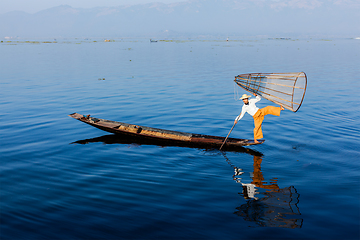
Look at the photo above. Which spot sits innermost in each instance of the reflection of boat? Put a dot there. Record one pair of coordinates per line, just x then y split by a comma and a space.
163, 136
119, 139
267, 205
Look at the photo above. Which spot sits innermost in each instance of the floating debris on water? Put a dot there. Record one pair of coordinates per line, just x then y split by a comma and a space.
281, 38
31, 42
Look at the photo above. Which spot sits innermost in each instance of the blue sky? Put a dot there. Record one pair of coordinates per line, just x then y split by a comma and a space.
38, 5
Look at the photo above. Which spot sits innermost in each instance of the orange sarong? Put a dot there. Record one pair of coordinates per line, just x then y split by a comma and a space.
259, 118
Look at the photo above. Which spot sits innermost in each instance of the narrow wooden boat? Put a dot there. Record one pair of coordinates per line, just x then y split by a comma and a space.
161, 135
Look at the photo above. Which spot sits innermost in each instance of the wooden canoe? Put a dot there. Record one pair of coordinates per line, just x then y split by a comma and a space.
164, 136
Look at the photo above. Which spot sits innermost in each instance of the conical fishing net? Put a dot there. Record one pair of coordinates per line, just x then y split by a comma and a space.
286, 89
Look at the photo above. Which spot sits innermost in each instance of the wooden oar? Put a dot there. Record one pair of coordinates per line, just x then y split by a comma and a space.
227, 136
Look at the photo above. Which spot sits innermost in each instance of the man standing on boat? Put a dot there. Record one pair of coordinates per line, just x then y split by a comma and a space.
258, 114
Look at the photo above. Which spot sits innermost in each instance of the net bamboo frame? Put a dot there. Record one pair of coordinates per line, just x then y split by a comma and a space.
285, 89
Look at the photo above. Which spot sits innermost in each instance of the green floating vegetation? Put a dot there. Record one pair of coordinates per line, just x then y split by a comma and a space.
19, 42
175, 41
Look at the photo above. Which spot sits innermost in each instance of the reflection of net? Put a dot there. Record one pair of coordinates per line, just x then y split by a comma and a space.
286, 89
277, 209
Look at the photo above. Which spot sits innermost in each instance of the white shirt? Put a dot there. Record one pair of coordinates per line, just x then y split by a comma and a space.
250, 108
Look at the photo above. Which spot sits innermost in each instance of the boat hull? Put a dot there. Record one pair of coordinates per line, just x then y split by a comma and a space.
163, 136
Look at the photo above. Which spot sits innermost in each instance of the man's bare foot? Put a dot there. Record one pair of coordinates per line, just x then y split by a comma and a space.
282, 108
256, 141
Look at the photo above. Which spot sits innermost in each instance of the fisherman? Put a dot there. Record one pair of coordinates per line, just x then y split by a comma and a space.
258, 114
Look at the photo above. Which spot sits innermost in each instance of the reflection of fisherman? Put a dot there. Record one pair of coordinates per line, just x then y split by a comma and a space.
258, 114
249, 189
275, 207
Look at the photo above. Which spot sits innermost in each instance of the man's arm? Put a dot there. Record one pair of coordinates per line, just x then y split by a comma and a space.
240, 116
257, 98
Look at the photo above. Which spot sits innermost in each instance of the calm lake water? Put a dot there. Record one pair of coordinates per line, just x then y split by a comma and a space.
63, 179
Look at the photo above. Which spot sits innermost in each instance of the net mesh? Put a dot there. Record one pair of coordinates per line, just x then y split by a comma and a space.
286, 89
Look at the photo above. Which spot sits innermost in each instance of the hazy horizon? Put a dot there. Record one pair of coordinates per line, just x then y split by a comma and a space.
7, 6
173, 18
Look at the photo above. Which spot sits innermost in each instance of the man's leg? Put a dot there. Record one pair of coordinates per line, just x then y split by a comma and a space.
272, 110
258, 119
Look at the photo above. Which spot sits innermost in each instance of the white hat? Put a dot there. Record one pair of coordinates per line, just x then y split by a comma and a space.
245, 96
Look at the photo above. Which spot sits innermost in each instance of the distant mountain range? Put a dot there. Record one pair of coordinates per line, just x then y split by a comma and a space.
191, 18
